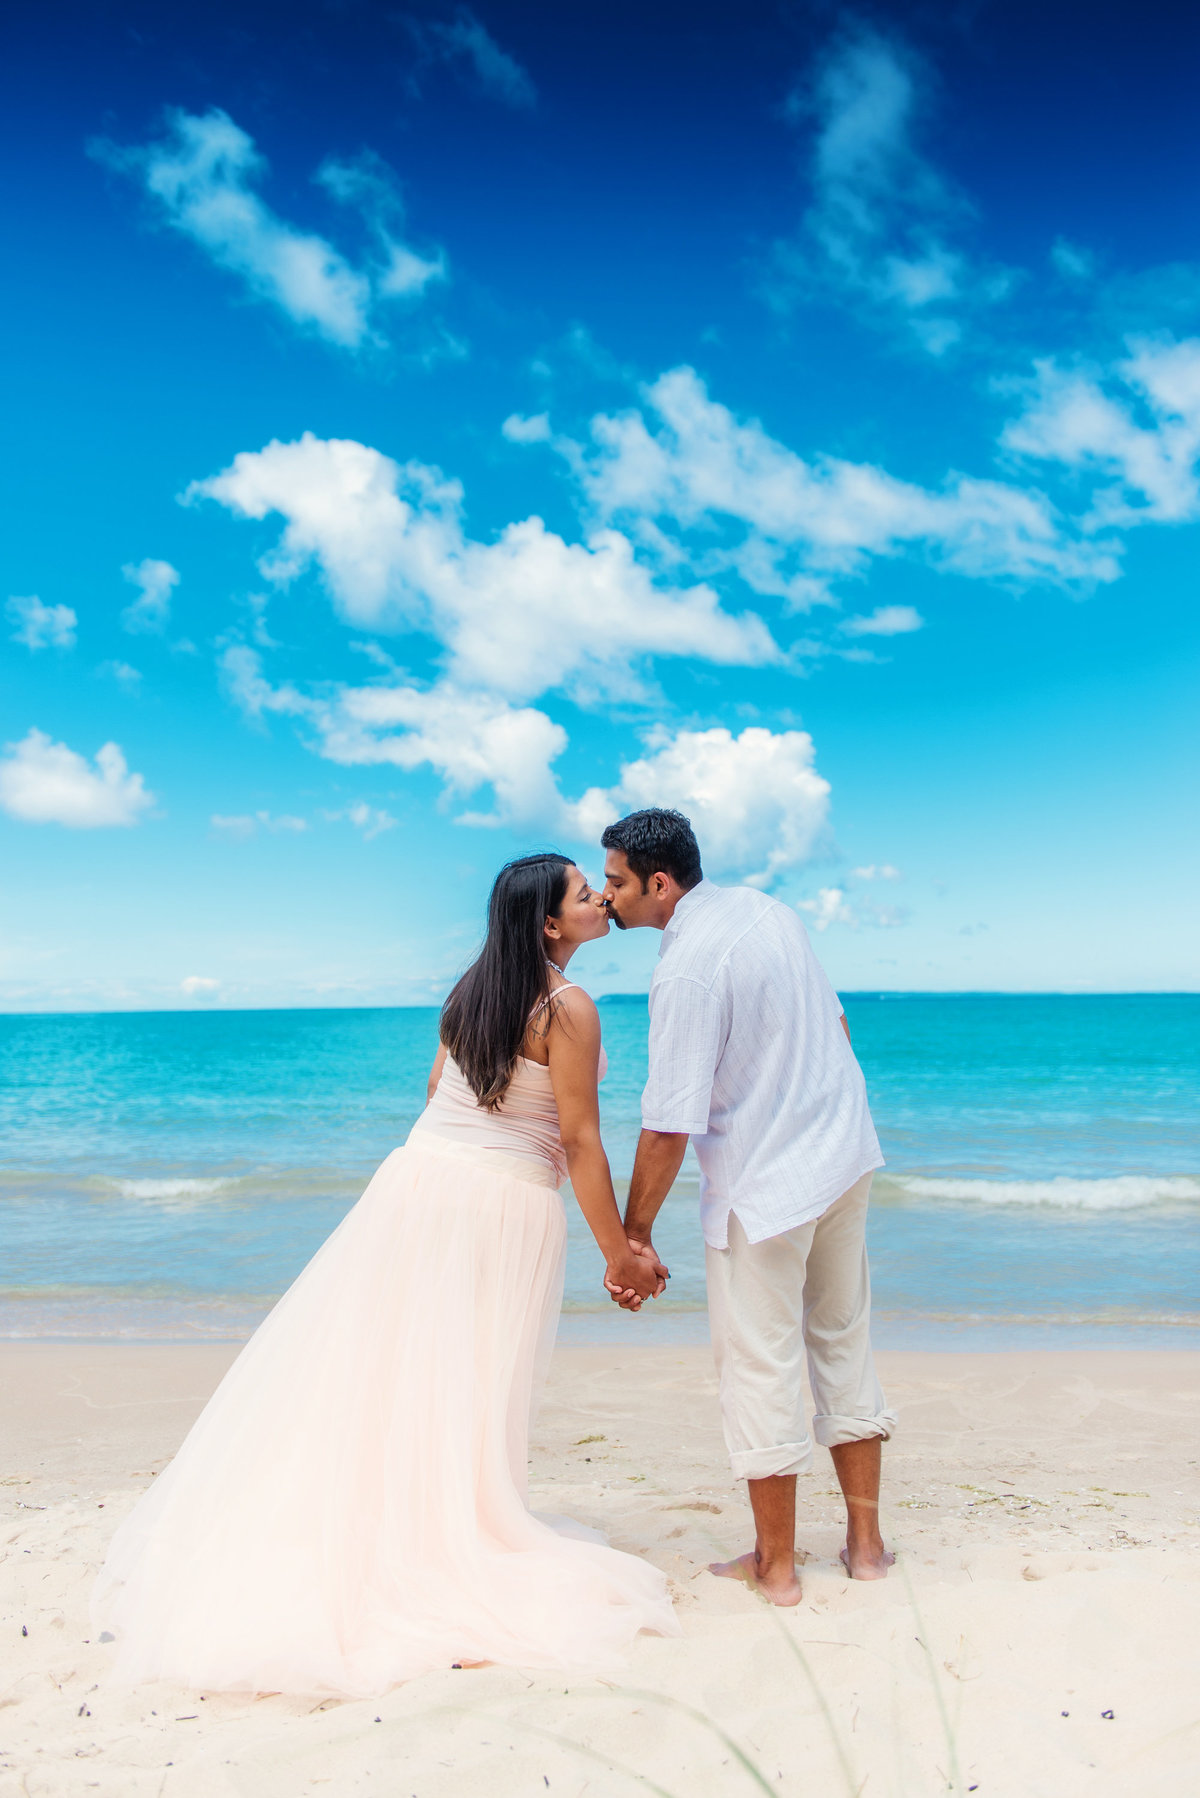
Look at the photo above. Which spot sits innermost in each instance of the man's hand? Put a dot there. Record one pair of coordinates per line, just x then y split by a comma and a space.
625, 1280
643, 1246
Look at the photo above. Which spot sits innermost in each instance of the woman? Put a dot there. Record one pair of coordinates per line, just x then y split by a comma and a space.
349, 1510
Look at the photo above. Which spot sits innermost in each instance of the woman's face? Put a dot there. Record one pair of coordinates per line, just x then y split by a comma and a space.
582, 914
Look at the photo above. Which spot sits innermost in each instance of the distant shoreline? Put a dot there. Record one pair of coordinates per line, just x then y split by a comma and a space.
858, 996
119, 1319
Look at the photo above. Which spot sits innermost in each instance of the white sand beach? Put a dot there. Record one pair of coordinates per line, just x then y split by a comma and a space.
1037, 1636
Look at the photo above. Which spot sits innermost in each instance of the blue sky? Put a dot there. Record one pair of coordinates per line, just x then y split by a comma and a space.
432, 432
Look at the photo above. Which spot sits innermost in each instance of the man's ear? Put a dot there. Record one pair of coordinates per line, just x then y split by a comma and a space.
661, 885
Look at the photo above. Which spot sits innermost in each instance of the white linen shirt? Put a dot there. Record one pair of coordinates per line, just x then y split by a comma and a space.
749, 1058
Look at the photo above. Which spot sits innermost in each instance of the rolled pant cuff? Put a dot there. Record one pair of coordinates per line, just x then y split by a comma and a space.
769, 1463
832, 1430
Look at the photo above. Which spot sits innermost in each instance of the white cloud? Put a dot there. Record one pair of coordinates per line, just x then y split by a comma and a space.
877, 871
203, 176
465, 41
198, 986
257, 605
829, 907
884, 621
40, 626
375, 652
242, 677
756, 801
127, 677
529, 613
1142, 442
43, 782
151, 610
347, 507
1071, 260
805, 522
248, 824
238, 827
527, 430
371, 820
880, 224
366, 183
470, 739
518, 616
406, 273
692, 487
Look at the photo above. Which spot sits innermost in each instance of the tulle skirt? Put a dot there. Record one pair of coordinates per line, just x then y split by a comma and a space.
350, 1508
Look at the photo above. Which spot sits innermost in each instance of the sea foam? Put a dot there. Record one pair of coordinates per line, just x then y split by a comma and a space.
169, 1189
1116, 1192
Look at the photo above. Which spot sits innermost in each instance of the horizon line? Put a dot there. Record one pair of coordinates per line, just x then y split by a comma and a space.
861, 993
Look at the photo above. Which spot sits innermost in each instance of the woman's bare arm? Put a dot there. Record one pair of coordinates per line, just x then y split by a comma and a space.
573, 1043
435, 1072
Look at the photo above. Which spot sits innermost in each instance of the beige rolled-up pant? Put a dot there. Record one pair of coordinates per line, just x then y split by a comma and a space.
806, 1293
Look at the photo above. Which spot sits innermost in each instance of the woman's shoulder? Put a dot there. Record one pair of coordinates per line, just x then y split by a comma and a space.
571, 1005
569, 993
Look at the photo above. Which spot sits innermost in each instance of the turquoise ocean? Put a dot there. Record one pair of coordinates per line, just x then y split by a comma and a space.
165, 1175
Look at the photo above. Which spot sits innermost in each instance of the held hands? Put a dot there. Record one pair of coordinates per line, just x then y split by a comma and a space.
635, 1276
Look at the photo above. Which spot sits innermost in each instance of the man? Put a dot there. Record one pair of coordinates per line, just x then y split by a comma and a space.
750, 1056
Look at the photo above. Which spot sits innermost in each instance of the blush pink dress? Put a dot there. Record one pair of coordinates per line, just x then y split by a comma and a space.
349, 1510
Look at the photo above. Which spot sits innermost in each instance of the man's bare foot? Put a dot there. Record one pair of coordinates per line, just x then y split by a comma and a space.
779, 1584
867, 1563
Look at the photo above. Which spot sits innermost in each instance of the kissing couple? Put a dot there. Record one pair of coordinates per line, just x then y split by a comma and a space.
349, 1510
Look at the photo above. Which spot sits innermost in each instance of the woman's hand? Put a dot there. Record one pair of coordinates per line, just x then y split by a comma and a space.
634, 1276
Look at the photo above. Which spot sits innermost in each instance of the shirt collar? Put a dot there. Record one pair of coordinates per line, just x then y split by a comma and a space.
688, 906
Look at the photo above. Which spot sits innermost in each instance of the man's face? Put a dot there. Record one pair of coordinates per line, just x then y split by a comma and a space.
628, 906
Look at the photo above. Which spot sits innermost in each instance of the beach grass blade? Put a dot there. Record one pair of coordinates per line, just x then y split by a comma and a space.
956, 1780
853, 1787
593, 1754
686, 1710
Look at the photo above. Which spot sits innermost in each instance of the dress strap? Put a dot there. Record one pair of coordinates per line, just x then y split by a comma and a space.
566, 987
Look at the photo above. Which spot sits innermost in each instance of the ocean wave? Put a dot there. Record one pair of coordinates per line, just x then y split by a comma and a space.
1115, 1192
241, 1186
169, 1189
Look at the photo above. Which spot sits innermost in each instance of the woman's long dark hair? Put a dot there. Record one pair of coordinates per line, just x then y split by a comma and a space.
485, 1019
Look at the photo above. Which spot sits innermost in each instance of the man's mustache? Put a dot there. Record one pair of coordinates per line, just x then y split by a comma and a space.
614, 917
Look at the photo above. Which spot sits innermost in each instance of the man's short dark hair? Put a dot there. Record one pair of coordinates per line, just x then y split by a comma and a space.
657, 842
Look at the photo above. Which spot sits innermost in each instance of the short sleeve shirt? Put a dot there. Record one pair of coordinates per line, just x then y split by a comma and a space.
749, 1058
